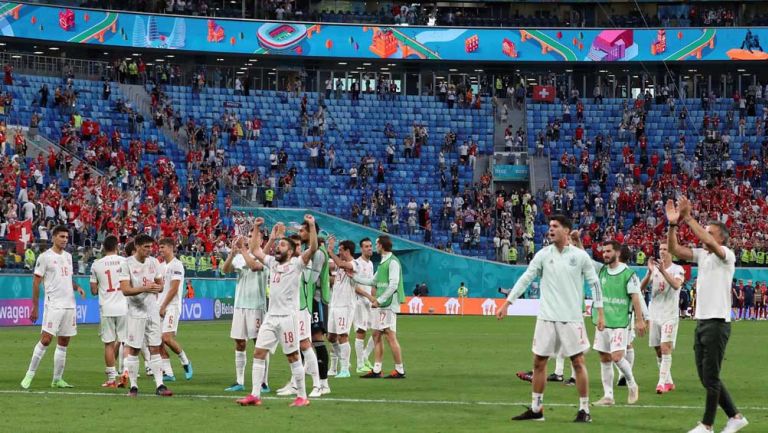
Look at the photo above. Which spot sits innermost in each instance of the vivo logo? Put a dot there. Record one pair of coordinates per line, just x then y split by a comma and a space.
192, 311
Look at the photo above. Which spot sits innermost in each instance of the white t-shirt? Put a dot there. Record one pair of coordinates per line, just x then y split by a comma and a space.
343, 288
713, 284
665, 301
56, 272
284, 285
172, 271
141, 274
364, 269
251, 289
106, 273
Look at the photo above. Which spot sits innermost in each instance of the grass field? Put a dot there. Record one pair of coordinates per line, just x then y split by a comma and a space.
460, 378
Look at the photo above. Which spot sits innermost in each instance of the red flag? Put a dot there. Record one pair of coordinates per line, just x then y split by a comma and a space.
544, 93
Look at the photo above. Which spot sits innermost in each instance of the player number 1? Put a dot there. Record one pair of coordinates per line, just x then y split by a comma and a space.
110, 287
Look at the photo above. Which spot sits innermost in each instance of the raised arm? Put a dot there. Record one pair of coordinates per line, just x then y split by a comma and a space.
648, 275
227, 267
685, 207
278, 230
677, 250
256, 245
674, 281
307, 255
531, 273
347, 266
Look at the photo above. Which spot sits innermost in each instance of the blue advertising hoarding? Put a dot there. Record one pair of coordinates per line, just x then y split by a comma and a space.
221, 35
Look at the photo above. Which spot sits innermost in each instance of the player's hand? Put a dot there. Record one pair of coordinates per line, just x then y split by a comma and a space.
309, 219
258, 222
502, 312
162, 311
600, 321
575, 237
153, 288
80, 291
684, 207
673, 215
279, 230
651, 265
375, 303
331, 242
33, 314
640, 327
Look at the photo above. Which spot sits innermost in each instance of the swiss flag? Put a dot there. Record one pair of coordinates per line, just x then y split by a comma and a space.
544, 93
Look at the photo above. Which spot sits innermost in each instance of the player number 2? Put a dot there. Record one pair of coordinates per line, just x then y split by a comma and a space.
288, 337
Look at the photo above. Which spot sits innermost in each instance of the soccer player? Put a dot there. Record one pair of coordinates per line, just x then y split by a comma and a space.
170, 310
112, 304
560, 324
54, 270
620, 288
141, 281
280, 323
314, 293
717, 265
363, 314
250, 303
389, 294
665, 279
343, 302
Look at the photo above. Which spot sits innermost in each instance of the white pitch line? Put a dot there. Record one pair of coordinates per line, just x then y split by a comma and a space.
367, 400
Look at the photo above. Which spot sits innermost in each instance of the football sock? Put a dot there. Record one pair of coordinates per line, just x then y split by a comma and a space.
666, 367
111, 373
59, 360
625, 368
559, 365
297, 371
322, 359
37, 356
335, 356
167, 368
344, 352
310, 367
584, 404
360, 352
240, 361
132, 365
369, 348
630, 357
121, 357
265, 379
537, 402
606, 375
183, 358
377, 367
257, 373
399, 368
156, 364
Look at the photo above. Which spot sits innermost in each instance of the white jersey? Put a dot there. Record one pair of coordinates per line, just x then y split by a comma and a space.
665, 301
364, 269
284, 285
343, 288
251, 289
106, 273
172, 271
141, 274
56, 272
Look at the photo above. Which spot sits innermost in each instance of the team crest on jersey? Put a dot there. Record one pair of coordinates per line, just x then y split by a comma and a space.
572, 261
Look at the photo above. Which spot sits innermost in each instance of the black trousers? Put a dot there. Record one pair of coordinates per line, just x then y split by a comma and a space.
710, 340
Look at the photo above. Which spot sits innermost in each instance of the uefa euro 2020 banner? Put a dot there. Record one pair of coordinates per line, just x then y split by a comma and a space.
221, 35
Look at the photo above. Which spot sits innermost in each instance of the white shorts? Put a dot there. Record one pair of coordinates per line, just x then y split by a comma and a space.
279, 329
663, 332
112, 329
384, 319
60, 322
565, 339
171, 319
304, 325
246, 323
138, 329
611, 340
341, 320
363, 315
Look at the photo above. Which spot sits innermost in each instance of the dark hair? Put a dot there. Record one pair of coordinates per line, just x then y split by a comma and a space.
291, 242
348, 246
723, 230
625, 254
60, 228
168, 242
130, 248
363, 240
615, 245
386, 243
563, 220
143, 239
110, 243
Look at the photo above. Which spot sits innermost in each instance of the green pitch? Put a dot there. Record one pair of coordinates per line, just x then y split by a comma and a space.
460, 378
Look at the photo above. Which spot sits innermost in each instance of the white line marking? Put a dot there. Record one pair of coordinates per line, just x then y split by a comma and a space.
366, 400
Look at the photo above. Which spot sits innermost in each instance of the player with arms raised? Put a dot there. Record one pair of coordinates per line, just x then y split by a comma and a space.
560, 324
54, 270
113, 307
280, 323
141, 281
665, 279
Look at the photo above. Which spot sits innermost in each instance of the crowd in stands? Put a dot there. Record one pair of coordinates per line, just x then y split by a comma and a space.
500, 15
